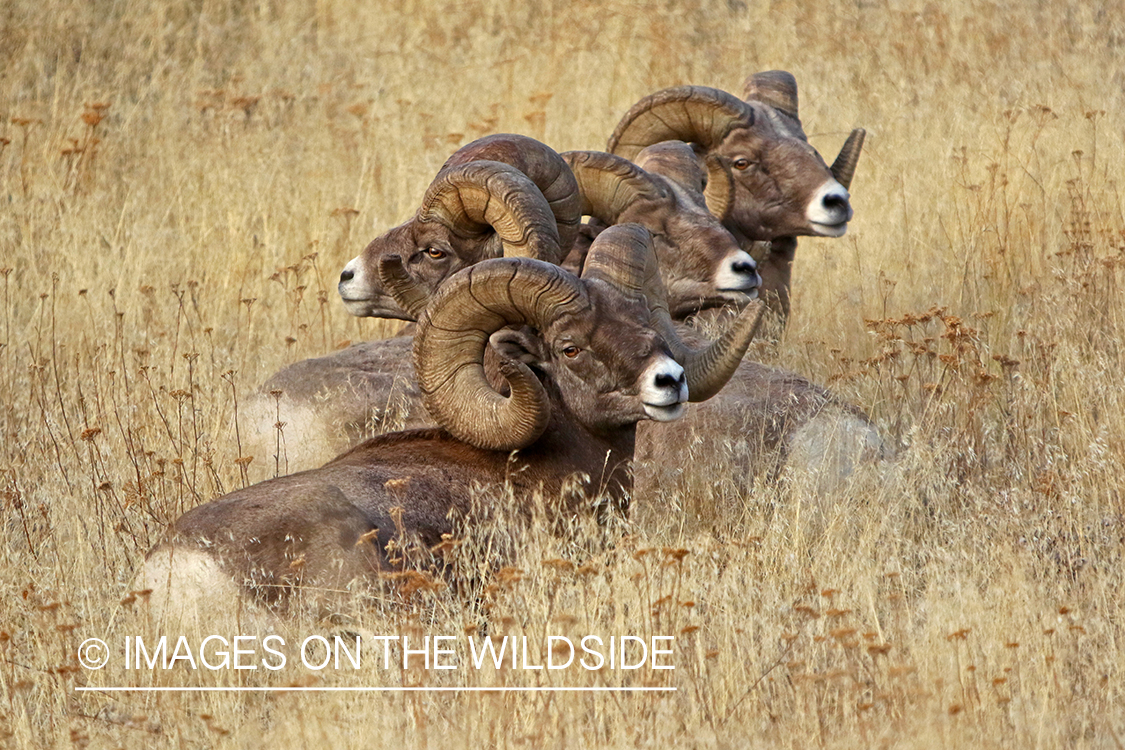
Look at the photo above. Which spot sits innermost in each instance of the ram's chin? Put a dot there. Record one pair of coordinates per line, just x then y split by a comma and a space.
739, 296
664, 413
375, 308
829, 230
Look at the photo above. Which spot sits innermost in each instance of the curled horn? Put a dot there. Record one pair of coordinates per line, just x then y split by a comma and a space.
542, 165
709, 369
473, 199
626, 259
694, 114
719, 190
453, 332
777, 88
843, 169
681, 163
480, 196
609, 184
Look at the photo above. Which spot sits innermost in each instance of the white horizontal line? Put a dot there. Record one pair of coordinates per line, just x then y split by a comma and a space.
241, 689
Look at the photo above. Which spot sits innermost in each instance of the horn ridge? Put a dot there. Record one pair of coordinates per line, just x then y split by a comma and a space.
709, 369
608, 184
776, 88
718, 194
406, 293
623, 256
843, 168
541, 164
694, 114
453, 332
470, 198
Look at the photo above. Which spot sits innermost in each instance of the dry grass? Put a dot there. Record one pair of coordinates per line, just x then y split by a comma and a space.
180, 186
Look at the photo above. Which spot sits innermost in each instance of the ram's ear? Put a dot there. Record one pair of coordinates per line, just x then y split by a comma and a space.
521, 344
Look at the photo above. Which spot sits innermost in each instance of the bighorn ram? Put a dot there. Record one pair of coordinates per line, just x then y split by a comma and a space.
700, 261
766, 418
500, 195
583, 360
775, 419
782, 187
503, 194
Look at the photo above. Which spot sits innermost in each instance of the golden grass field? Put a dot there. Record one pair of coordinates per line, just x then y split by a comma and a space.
180, 186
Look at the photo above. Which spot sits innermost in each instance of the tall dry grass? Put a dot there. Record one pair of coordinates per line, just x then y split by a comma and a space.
180, 185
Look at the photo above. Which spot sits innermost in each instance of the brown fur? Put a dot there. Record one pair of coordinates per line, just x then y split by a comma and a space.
764, 420
367, 394
690, 243
431, 250
303, 531
776, 173
603, 368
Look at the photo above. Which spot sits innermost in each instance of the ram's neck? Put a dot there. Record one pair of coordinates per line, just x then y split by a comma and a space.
585, 465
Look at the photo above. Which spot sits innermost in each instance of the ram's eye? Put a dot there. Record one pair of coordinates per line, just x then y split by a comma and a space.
571, 351
741, 163
435, 253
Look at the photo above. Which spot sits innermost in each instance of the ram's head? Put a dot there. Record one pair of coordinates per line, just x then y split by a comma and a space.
601, 345
700, 261
782, 186
503, 195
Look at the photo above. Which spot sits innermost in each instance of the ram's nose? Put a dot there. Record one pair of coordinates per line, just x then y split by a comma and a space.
830, 210
348, 280
738, 273
665, 390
